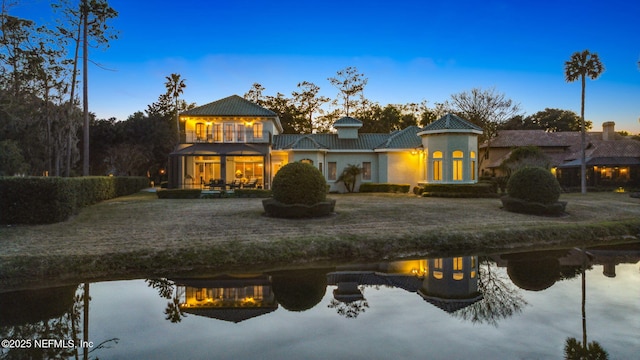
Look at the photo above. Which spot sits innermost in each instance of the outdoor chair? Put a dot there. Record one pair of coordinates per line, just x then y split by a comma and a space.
251, 184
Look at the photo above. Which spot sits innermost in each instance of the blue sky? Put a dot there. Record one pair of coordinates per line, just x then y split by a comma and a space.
409, 50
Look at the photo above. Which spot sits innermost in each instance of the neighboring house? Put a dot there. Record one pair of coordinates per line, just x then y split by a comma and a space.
233, 139
612, 160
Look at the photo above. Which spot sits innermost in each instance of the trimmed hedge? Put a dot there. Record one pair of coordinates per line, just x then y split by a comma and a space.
179, 193
483, 189
386, 188
534, 184
299, 183
46, 200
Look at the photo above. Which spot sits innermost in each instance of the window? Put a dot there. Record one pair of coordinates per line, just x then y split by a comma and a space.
307, 161
457, 165
437, 165
472, 167
366, 170
457, 264
437, 268
458, 274
332, 169
257, 130
200, 132
320, 168
240, 130
217, 132
228, 132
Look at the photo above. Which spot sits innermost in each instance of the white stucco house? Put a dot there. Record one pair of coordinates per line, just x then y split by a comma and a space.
234, 141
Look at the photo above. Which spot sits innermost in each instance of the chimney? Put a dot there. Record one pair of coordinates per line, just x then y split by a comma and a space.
608, 130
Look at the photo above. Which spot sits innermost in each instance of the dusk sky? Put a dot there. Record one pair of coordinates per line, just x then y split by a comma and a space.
409, 50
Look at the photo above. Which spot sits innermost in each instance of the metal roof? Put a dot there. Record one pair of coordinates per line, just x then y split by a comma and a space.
451, 123
347, 121
233, 105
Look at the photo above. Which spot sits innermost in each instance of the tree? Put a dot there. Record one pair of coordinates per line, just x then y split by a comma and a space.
350, 83
349, 176
175, 86
94, 15
255, 94
580, 66
551, 120
308, 102
485, 108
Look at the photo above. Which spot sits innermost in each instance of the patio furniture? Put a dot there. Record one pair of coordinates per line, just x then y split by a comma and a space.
236, 184
251, 184
216, 184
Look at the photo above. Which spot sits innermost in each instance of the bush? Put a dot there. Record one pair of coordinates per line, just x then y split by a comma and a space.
482, 189
45, 200
534, 184
386, 188
252, 193
299, 183
179, 193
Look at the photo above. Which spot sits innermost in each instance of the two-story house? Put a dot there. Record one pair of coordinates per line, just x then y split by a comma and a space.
235, 140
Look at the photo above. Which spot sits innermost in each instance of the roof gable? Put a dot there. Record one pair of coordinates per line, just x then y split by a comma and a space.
451, 123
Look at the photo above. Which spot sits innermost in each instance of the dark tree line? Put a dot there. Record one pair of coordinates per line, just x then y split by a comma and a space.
40, 117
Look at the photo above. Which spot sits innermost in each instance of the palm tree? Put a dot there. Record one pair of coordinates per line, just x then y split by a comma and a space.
175, 86
580, 66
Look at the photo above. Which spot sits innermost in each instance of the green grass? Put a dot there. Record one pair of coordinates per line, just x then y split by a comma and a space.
141, 235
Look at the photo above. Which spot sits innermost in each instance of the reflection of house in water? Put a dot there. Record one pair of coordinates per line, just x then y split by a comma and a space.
227, 297
448, 283
452, 283
541, 269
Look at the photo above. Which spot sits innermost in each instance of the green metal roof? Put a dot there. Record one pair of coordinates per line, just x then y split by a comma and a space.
451, 123
233, 105
347, 121
402, 139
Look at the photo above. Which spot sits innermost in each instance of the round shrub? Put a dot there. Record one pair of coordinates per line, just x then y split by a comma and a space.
534, 184
299, 183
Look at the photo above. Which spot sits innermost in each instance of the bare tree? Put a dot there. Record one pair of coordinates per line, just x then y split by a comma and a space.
350, 83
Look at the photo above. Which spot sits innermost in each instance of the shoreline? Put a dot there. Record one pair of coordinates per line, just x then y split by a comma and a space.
142, 236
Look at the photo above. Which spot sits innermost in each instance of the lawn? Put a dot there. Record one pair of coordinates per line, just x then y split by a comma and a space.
141, 234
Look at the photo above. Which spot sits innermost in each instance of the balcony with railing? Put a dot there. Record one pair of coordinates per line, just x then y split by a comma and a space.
245, 136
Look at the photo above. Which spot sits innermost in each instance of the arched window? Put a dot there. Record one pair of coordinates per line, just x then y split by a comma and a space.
437, 165
457, 165
472, 165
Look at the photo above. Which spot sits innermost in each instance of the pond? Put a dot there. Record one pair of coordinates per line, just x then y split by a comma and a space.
509, 306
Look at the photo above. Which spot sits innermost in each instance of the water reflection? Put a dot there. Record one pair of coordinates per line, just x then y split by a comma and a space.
466, 287
47, 323
477, 290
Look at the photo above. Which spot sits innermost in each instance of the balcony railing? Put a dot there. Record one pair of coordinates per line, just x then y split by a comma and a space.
246, 137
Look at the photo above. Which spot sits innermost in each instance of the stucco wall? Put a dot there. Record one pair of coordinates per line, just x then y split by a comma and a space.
448, 143
405, 168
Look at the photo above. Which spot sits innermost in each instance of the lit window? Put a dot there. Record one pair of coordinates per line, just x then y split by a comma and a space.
228, 132
457, 169
307, 161
437, 170
257, 130
457, 165
472, 167
437, 165
240, 133
366, 170
457, 263
217, 132
332, 169
200, 132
